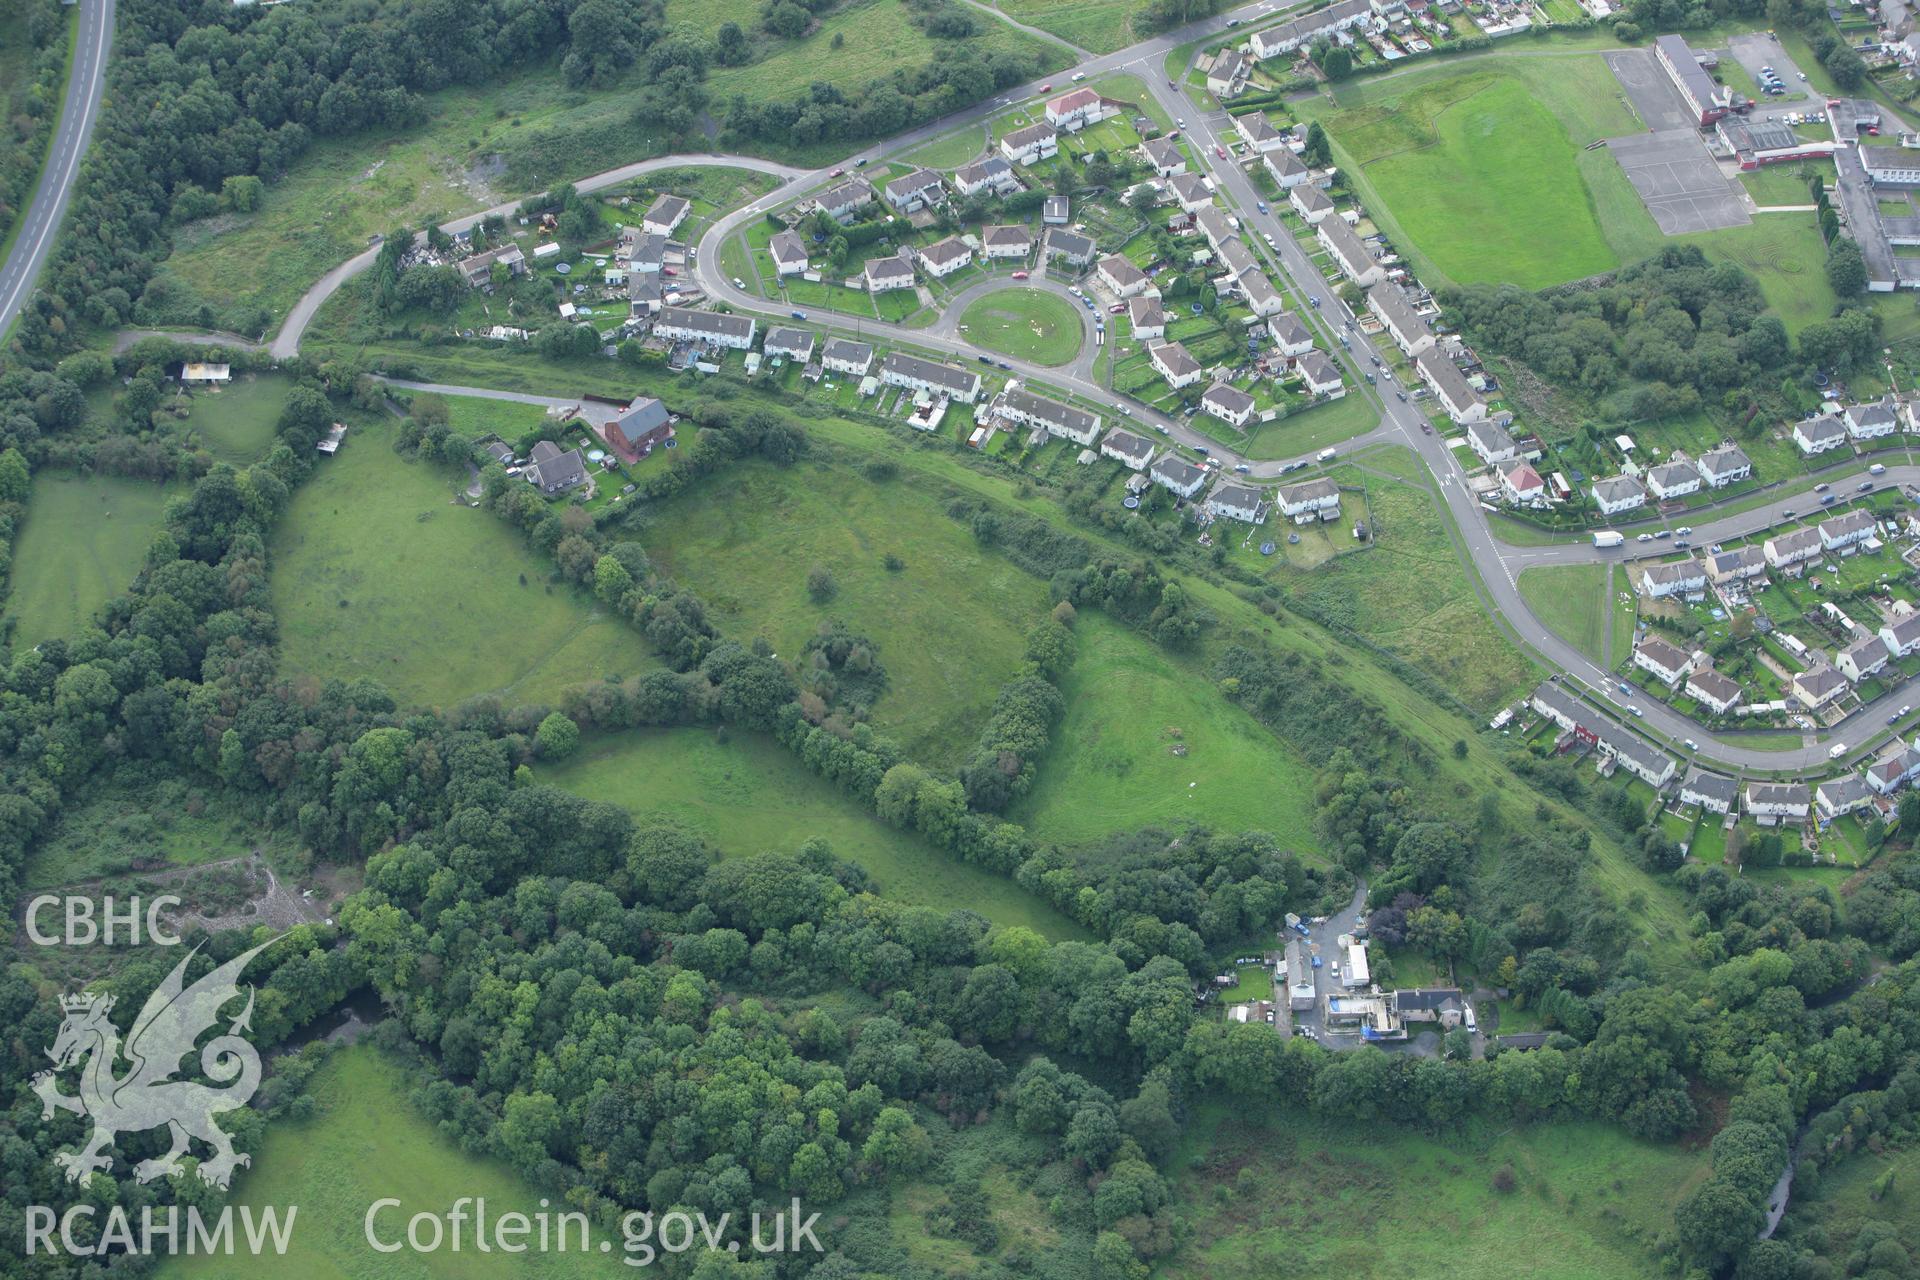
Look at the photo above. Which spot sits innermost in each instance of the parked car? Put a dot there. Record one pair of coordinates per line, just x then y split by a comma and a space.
1864, 485
1821, 487
837, 172
1116, 308
799, 315
1243, 469
738, 283
1691, 744
1262, 204
1645, 537
1219, 151
1019, 275
986, 360
1685, 528
1078, 76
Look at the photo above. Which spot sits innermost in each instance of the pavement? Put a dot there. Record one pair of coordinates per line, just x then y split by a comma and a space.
78, 114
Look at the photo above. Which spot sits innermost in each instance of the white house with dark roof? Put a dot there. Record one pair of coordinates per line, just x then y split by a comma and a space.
1031, 145
1723, 466
1164, 156
1010, 241
1491, 443
1862, 658
917, 190
644, 251
1061, 420
1895, 770
843, 355
843, 201
1521, 485
1174, 364
1736, 565
789, 253
1788, 549
1235, 259
1672, 480
1117, 273
1774, 801
1262, 298
1319, 375
1350, 255
1129, 450
1285, 168
993, 176
1069, 246
898, 369
1190, 192
1408, 329
1290, 336
1229, 404
1450, 386
1309, 500
720, 330
1666, 662
665, 215
1719, 694
554, 470
893, 272
1837, 797
1258, 132
1713, 792
786, 340
1071, 112
944, 257
1870, 421
1848, 530
1902, 634
1214, 226
1182, 479
1227, 76
1303, 31
1310, 202
1145, 319
1679, 578
1231, 500
1819, 434
1616, 494
1814, 689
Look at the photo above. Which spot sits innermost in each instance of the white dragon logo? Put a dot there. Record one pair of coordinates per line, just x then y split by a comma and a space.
148, 1096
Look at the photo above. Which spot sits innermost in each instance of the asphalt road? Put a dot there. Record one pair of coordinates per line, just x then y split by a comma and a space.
81, 109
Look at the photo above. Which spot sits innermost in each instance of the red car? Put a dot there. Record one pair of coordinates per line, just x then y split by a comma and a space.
1019, 275
1220, 151
1046, 88
836, 173
1116, 308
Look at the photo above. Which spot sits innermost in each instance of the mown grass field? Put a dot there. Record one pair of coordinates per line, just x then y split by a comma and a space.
1312, 430
949, 626
1147, 739
377, 573
1270, 1184
236, 424
81, 544
1478, 168
476, 416
749, 795
1572, 601
1029, 324
365, 1142
1783, 183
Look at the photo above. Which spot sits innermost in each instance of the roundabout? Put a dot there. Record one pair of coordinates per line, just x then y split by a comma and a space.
1028, 324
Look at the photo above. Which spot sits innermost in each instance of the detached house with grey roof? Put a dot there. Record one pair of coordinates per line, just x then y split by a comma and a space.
1310, 202
1871, 421
1174, 364
915, 191
1129, 450
994, 175
1180, 478
1031, 145
1229, 404
1819, 434
1616, 494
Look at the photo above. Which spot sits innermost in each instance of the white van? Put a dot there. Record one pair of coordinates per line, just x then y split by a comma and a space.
1837, 750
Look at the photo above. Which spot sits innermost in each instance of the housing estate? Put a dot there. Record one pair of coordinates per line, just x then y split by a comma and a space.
713, 327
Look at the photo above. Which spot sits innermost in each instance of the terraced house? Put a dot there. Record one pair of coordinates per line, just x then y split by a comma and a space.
716, 328
1407, 327
1450, 386
1060, 420
1031, 145
901, 370
1350, 254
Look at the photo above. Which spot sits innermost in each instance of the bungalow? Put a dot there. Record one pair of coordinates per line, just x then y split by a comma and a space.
1145, 319
1232, 501
845, 356
1682, 578
1319, 375
1521, 485
944, 257
1310, 202
1491, 442
478, 269
1719, 694
789, 253
1228, 74
1262, 297
1310, 500
1229, 404
1286, 169
1837, 797
1164, 156
1130, 451
712, 327
1673, 480
665, 215
1776, 800
1816, 688
1258, 132
1183, 479
1711, 791
1075, 249
1055, 212
1817, 435
1723, 466
1290, 336
198, 373
1737, 565
1868, 421
785, 340
993, 175
553, 470
1889, 773
1062, 420
1003, 242
1075, 111
1457, 396
1125, 280
1214, 226
1667, 662
893, 272
1791, 548
1862, 658
1349, 254
917, 190
1275, 41
915, 374
1408, 329
1902, 635
1191, 191
1174, 364
842, 202
1847, 530
1618, 493
1031, 145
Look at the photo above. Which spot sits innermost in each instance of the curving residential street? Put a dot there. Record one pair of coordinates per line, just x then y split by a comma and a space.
40, 225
